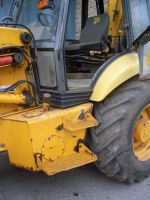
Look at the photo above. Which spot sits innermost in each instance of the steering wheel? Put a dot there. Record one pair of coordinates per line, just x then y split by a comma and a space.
52, 22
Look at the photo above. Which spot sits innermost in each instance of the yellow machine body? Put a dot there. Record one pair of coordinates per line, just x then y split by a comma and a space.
45, 136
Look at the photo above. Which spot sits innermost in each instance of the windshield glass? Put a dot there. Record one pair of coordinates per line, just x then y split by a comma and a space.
139, 16
43, 23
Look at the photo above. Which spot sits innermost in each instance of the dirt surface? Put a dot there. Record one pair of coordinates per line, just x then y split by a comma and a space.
85, 183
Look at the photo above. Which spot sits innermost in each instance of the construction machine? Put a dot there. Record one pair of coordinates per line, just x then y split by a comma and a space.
74, 86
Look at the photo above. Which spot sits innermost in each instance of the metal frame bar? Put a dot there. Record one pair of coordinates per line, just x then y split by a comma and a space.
84, 13
100, 6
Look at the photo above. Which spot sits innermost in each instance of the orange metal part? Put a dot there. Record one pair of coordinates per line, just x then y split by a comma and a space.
42, 4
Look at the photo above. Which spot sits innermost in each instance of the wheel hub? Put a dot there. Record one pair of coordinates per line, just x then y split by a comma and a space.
141, 136
142, 130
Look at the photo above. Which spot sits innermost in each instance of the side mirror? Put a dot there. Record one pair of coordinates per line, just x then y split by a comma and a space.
44, 4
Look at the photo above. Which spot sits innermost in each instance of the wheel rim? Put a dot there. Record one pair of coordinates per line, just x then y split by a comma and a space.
141, 136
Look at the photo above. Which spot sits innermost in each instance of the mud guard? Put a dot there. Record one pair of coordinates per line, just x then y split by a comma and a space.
115, 74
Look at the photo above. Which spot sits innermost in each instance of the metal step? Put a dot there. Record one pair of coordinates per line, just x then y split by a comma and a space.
84, 156
87, 122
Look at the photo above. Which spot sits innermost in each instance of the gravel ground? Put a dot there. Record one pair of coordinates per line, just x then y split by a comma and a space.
85, 183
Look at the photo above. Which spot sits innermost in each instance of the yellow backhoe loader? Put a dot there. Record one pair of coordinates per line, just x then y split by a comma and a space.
74, 86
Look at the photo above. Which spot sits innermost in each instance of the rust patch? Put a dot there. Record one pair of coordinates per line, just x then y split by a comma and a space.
141, 117
23, 167
89, 153
148, 148
76, 148
81, 115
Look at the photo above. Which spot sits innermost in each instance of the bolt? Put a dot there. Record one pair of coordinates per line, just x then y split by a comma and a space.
2, 145
59, 128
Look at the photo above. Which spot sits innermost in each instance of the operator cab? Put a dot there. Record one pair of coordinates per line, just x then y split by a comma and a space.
73, 43
85, 45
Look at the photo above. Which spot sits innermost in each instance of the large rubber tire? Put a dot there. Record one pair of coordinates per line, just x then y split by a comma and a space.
111, 140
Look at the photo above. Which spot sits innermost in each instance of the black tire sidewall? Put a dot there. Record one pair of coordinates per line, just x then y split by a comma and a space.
138, 165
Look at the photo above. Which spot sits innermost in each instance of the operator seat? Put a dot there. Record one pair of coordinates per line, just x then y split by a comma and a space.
94, 36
